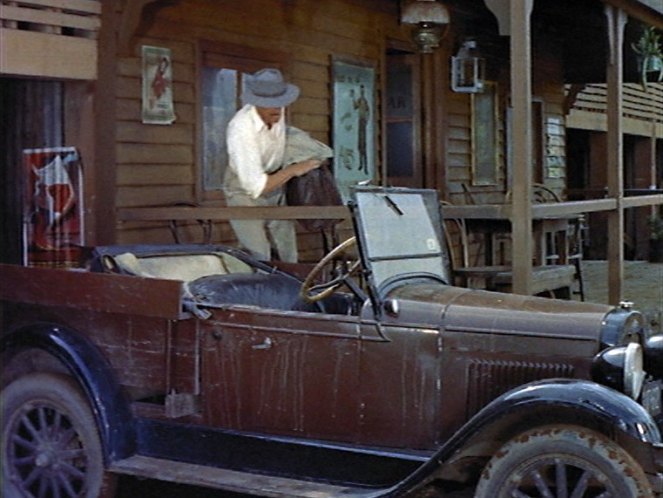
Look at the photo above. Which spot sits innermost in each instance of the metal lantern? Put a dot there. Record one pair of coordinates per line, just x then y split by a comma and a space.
468, 69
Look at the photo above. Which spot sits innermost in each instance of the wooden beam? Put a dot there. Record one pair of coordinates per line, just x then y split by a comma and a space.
101, 172
647, 11
234, 213
137, 17
616, 23
521, 97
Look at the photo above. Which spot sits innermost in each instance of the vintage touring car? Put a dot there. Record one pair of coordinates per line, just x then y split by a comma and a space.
198, 364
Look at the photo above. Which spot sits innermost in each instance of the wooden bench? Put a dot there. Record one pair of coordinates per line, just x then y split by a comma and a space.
551, 280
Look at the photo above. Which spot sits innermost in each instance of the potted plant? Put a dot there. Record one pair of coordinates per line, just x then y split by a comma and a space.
656, 238
650, 56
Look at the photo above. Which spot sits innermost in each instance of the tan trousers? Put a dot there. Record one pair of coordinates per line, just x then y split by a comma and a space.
259, 236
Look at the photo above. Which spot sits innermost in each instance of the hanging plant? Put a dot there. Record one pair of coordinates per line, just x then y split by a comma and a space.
650, 56
655, 227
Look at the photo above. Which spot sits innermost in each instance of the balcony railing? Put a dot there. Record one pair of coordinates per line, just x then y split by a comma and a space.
49, 38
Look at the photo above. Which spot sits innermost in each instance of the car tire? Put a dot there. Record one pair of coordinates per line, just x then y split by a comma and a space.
50, 443
548, 459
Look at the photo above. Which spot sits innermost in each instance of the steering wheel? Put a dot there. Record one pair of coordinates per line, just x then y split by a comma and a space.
312, 292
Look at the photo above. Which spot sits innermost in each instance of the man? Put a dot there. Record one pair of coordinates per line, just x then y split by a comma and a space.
256, 139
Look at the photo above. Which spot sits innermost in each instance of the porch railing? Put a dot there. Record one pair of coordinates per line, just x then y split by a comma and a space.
638, 103
49, 38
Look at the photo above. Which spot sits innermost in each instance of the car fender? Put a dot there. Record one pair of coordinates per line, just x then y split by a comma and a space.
561, 401
585, 399
93, 372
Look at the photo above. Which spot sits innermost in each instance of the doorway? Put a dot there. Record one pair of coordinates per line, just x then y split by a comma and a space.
32, 118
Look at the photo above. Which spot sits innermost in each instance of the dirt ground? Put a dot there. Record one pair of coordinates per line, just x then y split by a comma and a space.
643, 286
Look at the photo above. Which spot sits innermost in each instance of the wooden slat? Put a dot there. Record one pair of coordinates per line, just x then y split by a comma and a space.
155, 174
50, 18
237, 213
154, 154
153, 195
30, 53
134, 132
83, 6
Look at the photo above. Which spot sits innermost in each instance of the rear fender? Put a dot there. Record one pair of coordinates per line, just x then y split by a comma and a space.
89, 367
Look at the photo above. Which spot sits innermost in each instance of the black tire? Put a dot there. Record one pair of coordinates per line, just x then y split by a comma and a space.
50, 443
561, 460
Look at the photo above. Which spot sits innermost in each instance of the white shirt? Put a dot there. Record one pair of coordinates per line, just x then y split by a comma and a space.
254, 151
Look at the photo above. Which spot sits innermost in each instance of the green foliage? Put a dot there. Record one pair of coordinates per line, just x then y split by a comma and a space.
655, 227
650, 55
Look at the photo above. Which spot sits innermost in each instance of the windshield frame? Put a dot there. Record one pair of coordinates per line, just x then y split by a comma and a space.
377, 213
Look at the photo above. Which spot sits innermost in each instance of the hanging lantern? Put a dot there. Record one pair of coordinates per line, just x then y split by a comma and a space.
468, 69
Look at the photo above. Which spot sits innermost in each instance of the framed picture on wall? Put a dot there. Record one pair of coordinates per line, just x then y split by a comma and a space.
353, 122
157, 81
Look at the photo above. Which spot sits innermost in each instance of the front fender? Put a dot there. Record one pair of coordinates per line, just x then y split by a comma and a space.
562, 401
584, 398
94, 374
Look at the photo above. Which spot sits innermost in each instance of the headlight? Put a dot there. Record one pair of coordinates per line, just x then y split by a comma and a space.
634, 373
654, 356
621, 367
622, 325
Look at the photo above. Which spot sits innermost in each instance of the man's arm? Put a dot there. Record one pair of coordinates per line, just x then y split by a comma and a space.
281, 177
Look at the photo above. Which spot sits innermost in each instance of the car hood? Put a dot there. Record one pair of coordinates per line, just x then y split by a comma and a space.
460, 309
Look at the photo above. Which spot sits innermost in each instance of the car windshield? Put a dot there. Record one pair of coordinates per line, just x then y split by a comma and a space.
400, 234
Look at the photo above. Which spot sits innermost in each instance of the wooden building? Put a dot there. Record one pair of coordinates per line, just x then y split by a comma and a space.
72, 73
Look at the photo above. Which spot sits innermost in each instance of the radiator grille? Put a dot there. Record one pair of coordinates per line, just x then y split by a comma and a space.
486, 380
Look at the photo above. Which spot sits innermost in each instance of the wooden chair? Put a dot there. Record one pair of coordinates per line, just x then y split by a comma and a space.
552, 280
564, 247
177, 227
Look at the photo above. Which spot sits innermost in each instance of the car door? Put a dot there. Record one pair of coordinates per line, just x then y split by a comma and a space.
282, 372
399, 368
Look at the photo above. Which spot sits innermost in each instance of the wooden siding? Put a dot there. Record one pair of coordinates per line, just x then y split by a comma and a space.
50, 38
157, 165
547, 89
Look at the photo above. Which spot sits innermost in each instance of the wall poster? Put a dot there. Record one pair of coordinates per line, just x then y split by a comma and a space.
353, 123
53, 231
157, 106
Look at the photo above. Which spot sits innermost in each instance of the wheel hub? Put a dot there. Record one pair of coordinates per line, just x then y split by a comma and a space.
44, 459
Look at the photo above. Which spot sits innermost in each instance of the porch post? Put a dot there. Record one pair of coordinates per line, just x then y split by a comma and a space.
616, 22
521, 92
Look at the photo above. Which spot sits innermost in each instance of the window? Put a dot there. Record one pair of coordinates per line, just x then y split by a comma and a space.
485, 142
219, 95
222, 74
403, 117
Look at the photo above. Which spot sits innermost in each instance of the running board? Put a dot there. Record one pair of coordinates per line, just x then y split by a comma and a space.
232, 480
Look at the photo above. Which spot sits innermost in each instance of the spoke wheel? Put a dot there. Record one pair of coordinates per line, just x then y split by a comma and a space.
562, 462
50, 444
